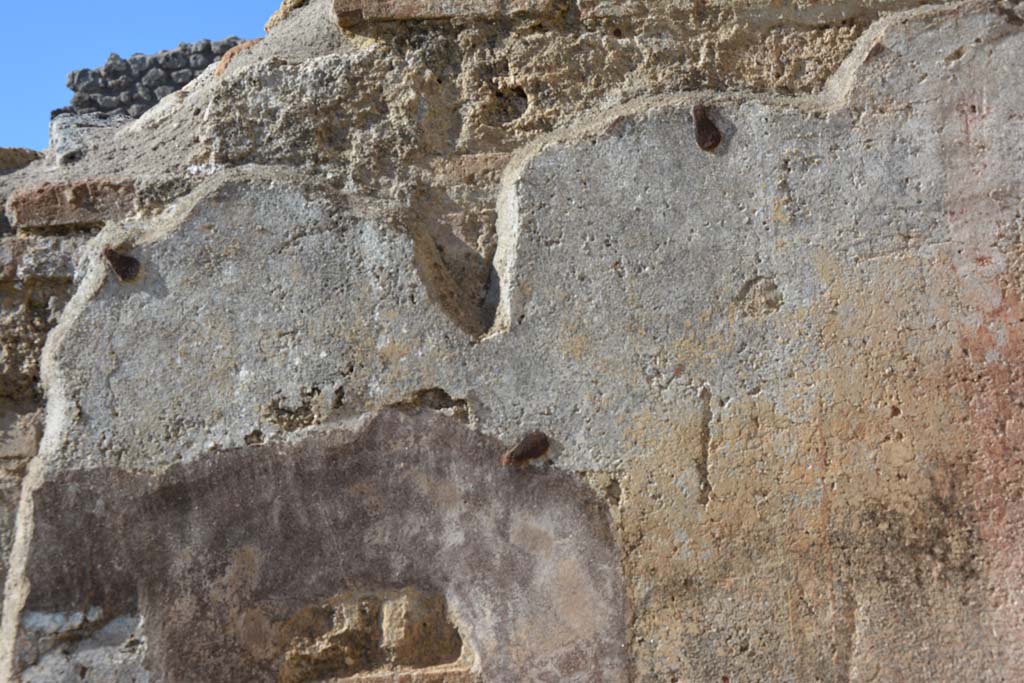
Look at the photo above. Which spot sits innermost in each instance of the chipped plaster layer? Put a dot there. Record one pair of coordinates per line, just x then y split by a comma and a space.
526, 561
786, 368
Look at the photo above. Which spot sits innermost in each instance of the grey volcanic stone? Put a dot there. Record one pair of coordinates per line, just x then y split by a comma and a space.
106, 102
118, 77
120, 84
163, 91
139, 64
219, 47
171, 61
86, 80
182, 76
143, 95
154, 77
82, 99
115, 66
76, 79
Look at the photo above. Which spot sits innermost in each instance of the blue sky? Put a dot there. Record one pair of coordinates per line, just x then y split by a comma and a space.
42, 40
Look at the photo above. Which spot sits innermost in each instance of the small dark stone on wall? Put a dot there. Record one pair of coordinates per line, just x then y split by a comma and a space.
85, 80
182, 76
81, 99
143, 95
107, 102
163, 91
219, 47
171, 61
139, 64
120, 83
115, 66
76, 78
154, 77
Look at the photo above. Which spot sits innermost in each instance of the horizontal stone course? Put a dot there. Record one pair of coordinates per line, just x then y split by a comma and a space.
69, 205
353, 12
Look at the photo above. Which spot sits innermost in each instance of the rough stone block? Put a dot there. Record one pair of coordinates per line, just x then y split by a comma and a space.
171, 60
115, 66
85, 80
106, 102
143, 95
155, 77
120, 83
72, 134
198, 61
353, 12
86, 203
82, 99
139, 64
182, 76
219, 47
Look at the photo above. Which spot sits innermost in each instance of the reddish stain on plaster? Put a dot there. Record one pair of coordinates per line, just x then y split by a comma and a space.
993, 376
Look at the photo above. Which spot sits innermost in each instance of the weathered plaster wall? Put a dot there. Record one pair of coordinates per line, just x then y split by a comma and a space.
780, 378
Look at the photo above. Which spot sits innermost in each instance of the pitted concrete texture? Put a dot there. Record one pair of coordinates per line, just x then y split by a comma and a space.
785, 369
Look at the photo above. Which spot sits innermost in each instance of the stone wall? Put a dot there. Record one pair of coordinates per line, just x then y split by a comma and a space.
131, 86
755, 270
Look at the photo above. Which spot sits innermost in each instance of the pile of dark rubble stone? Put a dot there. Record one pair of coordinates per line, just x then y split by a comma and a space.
131, 86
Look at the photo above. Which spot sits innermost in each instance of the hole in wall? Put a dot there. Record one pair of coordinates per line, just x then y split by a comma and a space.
361, 635
457, 278
511, 103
